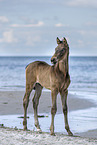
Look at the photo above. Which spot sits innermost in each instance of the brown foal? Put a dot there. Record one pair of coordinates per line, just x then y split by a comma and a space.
39, 74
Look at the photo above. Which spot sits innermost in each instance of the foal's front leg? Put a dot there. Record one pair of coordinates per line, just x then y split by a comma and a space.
64, 94
53, 110
38, 90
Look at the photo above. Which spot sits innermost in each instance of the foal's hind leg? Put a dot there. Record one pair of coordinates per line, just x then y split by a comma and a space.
38, 90
25, 105
64, 94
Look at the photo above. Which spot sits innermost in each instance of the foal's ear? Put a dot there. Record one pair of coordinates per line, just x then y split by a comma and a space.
58, 41
64, 40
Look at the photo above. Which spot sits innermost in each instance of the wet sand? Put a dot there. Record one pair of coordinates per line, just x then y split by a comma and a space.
11, 103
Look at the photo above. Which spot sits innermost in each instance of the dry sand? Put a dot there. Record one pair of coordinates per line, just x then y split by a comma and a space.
11, 103
19, 137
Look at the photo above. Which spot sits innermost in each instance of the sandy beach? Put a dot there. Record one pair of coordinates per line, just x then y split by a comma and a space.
11, 104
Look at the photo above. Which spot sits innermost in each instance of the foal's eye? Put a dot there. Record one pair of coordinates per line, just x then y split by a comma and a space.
63, 50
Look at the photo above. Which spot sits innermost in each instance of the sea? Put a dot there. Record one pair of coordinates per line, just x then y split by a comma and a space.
82, 70
83, 74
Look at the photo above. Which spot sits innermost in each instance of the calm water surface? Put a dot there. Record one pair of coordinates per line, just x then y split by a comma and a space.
83, 72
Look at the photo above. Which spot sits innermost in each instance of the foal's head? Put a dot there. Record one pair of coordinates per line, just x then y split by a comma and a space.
61, 51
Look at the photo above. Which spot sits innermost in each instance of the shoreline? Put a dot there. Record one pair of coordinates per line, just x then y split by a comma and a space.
11, 104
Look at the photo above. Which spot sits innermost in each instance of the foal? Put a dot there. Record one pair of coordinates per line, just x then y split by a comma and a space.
39, 74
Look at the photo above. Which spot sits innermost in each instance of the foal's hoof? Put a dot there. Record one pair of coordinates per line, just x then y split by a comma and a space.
39, 130
52, 133
70, 133
25, 128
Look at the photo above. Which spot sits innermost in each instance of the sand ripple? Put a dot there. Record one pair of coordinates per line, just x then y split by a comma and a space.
10, 136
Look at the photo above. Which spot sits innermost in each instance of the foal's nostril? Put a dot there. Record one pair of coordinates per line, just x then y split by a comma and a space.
53, 60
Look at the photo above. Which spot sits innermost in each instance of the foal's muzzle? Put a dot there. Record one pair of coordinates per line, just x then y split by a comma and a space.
54, 60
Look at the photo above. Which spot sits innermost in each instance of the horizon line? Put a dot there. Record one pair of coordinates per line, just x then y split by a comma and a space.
45, 55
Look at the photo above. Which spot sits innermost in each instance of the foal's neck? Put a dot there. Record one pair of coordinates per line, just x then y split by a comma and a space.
63, 66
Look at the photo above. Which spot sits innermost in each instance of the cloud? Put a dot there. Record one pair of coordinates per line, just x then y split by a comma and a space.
3, 19
91, 24
88, 33
60, 25
8, 37
39, 24
82, 3
32, 40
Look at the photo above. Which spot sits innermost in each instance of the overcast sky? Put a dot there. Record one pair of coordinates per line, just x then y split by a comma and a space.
30, 27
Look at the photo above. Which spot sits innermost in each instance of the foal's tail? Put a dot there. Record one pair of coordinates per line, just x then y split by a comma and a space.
36, 85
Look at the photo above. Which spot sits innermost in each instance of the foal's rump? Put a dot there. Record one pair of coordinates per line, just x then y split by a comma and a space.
38, 72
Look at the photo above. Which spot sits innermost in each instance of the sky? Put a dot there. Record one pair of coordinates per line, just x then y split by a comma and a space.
30, 27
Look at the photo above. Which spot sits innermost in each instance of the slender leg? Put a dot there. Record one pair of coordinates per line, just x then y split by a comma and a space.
65, 110
38, 90
25, 105
53, 110
67, 83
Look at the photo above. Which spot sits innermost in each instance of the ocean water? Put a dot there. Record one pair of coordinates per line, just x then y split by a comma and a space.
83, 73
